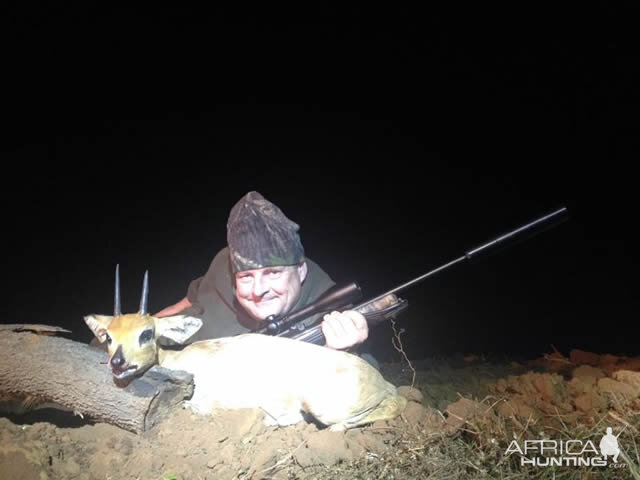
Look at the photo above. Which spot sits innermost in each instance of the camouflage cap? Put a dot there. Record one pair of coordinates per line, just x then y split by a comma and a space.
260, 235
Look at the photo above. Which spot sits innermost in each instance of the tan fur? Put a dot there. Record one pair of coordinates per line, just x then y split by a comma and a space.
284, 377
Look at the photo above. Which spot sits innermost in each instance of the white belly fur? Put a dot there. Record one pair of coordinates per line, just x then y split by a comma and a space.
283, 377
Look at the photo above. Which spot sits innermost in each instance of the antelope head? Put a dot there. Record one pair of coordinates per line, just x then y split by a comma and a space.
132, 338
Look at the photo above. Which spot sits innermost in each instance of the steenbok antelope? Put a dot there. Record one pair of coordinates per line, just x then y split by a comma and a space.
282, 376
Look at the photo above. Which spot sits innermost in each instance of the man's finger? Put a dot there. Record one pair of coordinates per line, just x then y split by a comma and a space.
332, 339
359, 320
336, 323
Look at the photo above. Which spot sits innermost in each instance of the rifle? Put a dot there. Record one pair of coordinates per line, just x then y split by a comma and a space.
386, 305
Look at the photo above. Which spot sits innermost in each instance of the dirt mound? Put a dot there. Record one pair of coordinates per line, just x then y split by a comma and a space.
477, 396
577, 390
230, 444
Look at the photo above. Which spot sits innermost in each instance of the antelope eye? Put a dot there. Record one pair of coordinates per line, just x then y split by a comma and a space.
145, 336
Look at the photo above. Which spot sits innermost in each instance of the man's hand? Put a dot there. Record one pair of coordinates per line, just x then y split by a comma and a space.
344, 329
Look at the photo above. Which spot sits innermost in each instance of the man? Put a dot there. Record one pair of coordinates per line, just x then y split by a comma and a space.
609, 445
262, 272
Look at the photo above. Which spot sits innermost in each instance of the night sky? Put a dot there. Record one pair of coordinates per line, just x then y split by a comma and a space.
396, 139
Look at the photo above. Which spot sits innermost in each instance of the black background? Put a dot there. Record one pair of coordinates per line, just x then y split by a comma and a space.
397, 139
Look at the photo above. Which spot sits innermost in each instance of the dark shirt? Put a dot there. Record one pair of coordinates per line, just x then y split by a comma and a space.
213, 298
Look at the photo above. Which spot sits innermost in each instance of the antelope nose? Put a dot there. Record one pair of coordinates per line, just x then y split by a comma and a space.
117, 361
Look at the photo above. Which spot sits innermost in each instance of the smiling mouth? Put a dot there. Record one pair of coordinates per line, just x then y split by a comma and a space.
265, 301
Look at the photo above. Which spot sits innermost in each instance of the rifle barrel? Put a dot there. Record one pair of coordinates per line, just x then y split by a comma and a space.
534, 227
625, 427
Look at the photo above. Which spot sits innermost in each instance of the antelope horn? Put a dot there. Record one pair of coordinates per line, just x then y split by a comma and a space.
145, 294
116, 300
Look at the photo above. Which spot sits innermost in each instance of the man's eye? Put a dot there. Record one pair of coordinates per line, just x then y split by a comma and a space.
275, 273
244, 279
145, 336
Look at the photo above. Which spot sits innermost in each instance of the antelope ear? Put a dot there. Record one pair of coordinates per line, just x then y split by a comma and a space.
99, 325
178, 328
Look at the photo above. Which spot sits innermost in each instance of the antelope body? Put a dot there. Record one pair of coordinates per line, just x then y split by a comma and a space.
282, 376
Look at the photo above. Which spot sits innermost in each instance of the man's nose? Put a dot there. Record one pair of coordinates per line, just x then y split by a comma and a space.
260, 286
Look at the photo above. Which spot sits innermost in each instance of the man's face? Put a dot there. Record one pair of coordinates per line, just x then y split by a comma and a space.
270, 291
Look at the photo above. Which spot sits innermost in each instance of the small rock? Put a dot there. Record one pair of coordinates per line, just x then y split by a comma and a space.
414, 413
613, 386
411, 393
500, 385
579, 385
580, 357
589, 401
608, 359
588, 371
460, 411
630, 378
517, 406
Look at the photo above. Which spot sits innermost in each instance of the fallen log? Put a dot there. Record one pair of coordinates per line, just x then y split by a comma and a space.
75, 376
34, 327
